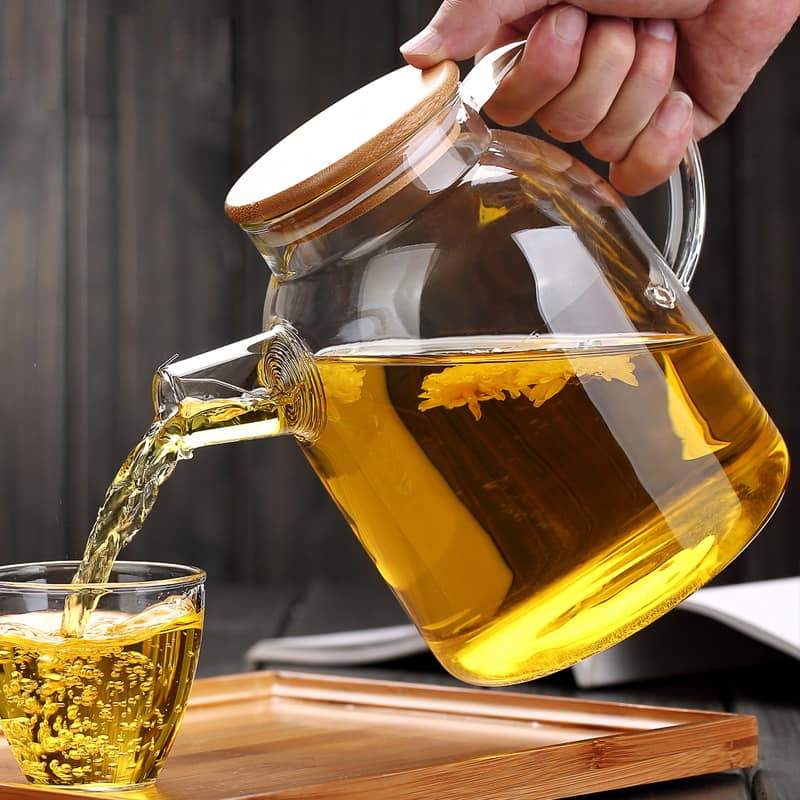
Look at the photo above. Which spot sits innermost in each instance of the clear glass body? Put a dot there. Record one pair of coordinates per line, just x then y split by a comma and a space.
100, 711
515, 404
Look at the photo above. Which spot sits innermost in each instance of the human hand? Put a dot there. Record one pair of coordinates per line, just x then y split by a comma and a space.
618, 75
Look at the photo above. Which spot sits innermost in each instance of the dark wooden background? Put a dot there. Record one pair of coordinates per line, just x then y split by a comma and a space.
122, 125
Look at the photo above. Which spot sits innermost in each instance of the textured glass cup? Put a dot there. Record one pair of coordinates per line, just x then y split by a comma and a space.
100, 711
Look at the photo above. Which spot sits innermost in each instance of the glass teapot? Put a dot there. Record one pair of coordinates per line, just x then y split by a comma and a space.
506, 390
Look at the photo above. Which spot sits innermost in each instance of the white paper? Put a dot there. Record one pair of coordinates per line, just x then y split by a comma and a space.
768, 611
339, 649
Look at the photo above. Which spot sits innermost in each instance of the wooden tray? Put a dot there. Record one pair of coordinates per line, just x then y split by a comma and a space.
291, 735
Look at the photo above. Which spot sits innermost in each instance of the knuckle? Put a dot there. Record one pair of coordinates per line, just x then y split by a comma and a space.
558, 70
606, 148
507, 116
657, 161
566, 127
616, 59
459, 6
631, 179
662, 164
632, 187
550, 69
655, 72
616, 44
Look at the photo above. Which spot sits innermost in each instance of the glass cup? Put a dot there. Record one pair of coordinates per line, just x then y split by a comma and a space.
100, 711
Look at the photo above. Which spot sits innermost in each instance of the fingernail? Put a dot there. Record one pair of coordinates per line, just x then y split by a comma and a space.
674, 114
570, 23
426, 43
663, 29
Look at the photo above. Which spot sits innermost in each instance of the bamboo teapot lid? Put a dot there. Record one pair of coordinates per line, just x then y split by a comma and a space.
340, 142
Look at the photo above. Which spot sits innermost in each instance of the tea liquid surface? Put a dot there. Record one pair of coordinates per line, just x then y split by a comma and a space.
533, 501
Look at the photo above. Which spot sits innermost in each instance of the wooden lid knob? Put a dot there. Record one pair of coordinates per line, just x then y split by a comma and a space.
340, 142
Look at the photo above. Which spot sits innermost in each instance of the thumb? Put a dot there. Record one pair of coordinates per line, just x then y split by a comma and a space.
460, 28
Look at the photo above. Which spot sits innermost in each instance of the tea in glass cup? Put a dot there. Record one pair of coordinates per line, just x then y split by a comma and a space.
98, 711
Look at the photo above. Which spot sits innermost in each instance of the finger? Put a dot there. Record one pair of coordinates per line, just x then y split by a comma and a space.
460, 28
512, 32
660, 9
704, 123
644, 88
658, 149
608, 51
503, 35
747, 31
548, 64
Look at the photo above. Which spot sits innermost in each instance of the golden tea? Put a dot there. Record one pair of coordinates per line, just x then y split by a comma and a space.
101, 710
532, 501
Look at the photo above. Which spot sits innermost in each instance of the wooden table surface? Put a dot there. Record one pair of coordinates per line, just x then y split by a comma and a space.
239, 615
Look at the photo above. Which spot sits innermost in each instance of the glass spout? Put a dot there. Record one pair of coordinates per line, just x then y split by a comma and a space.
266, 385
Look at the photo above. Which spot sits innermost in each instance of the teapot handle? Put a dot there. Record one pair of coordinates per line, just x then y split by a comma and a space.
687, 189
